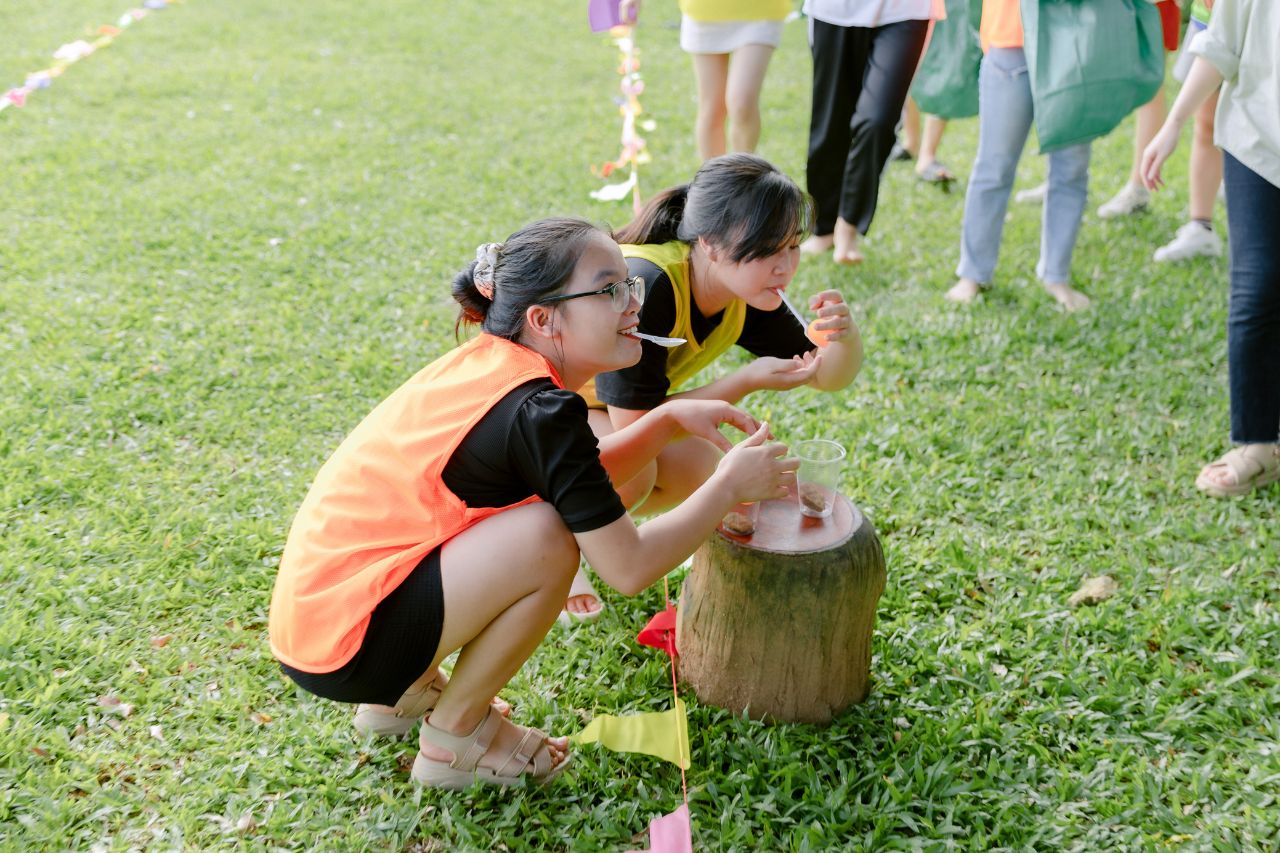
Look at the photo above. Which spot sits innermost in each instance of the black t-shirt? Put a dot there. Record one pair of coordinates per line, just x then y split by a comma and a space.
536, 441
645, 385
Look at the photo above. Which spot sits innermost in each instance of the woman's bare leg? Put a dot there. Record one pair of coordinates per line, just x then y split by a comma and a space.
505, 581
911, 127
1206, 163
934, 127
712, 73
747, 67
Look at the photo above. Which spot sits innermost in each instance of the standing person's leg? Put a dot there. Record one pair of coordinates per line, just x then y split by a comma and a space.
910, 128
1206, 163
839, 54
927, 165
890, 65
1253, 336
747, 67
1197, 238
712, 73
1133, 196
1004, 120
1060, 223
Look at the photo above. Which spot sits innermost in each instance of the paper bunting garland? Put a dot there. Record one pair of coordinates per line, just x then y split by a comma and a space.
663, 735
633, 154
670, 833
72, 52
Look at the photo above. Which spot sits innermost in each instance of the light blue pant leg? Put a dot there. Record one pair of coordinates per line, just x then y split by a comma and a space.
1004, 120
1063, 211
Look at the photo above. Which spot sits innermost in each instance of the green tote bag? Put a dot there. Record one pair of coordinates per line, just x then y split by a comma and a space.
1091, 63
947, 83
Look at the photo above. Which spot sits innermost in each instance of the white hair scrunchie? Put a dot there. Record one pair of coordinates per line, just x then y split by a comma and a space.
486, 260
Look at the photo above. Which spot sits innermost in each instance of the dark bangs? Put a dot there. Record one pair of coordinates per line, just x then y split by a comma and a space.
767, 217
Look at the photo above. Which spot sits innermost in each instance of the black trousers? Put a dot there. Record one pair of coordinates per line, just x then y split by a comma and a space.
861, 76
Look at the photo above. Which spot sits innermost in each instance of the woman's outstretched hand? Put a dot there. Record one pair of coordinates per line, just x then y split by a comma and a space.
781, 374
758, 469
703, 418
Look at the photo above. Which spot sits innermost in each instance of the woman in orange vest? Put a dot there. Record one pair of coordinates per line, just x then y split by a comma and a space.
453, 516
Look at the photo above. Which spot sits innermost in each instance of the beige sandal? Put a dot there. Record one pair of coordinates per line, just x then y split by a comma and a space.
407, 713
531, 758
1252, 466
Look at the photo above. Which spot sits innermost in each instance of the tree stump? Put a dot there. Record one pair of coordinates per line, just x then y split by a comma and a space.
778, 625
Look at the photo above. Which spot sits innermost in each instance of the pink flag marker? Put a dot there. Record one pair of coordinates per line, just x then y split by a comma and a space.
670, 833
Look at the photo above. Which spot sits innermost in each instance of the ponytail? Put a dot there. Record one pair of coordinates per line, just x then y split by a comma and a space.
659, 221
739, 202
474, 307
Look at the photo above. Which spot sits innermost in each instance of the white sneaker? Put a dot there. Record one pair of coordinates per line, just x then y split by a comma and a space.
1034, 195
1193, 240
1130, 199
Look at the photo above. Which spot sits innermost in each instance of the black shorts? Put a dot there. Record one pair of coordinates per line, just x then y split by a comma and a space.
399, 644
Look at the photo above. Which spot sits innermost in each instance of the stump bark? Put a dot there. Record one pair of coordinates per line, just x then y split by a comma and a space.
779, 625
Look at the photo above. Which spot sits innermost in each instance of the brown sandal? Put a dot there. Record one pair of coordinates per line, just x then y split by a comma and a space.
531, 758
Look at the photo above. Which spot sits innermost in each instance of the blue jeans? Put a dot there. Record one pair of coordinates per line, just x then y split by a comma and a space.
1004, 120
1253, 319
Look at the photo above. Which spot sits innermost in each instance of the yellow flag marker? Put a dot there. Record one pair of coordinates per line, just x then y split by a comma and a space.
664, 734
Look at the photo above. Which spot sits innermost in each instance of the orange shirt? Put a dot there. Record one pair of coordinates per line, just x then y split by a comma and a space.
379, 505
1001, 24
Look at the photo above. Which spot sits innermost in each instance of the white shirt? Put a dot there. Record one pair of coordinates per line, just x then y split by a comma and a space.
1241, 43
873, 13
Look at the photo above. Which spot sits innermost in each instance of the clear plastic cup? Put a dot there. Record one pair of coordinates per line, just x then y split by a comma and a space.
818, 475
740, 522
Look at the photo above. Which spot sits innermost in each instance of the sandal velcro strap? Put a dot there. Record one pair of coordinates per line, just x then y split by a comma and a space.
415, 705
524, 755
480, 739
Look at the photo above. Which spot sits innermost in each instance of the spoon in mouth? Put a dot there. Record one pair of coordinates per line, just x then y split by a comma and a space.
658, 339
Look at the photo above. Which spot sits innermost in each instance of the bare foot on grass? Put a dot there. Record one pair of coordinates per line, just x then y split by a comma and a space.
846, 244
1068, 297
964, 291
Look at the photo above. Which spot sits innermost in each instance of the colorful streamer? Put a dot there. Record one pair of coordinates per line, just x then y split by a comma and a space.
72, 52
633, 153
663, 734
670, 833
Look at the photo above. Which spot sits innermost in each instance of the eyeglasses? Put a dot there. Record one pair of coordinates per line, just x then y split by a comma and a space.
620, 293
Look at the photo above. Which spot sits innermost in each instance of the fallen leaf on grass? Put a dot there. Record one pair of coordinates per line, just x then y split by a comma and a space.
115, 705
1093, 591
260, 718
159, 642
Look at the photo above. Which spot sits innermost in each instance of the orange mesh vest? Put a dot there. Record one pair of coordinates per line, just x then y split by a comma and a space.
379, 505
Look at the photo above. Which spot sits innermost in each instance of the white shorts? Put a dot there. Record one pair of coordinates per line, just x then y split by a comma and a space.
726, 36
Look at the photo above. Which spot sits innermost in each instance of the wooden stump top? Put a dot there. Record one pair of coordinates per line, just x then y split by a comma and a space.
783, 529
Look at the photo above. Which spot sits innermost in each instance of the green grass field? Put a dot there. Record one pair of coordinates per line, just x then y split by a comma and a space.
225, 238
